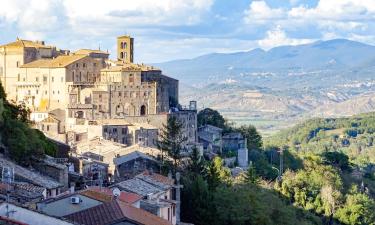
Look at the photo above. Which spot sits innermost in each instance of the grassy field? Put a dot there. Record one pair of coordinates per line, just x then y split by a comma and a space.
266, 127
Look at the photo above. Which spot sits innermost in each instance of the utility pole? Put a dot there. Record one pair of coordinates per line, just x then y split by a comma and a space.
281, 156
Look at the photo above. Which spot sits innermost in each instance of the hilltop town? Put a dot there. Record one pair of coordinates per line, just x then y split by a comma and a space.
107, 118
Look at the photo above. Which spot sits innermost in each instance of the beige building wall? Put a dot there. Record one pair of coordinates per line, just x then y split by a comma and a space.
48, 87
16, 54
10, 60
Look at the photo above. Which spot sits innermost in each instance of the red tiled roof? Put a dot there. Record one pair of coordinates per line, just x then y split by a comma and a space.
142, 216
159, 178
97, 195
114, 212
97, 192
11, 221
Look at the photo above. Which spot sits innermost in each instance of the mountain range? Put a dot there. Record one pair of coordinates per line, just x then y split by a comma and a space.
281, 85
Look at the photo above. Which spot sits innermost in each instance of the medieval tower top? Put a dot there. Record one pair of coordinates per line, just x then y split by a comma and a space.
125, 49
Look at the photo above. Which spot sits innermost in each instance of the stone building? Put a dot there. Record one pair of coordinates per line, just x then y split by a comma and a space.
45, 84
122, 91
15, 54
129, 165
233, 142
211, 138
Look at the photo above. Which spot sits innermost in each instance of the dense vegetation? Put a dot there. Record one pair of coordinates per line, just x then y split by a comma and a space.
327, 177
211, 196
17, 140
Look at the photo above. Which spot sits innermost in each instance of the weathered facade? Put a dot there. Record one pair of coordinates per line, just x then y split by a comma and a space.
46, 84
16, 54
122, 91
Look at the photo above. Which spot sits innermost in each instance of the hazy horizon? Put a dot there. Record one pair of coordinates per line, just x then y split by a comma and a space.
176, 29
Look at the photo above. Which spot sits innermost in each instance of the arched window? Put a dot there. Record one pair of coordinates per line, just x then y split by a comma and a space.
143, 110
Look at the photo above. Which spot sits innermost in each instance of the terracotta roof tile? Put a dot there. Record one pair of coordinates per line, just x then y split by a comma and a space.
88, 51
11, 221
26, 43
103, 197
158, 177
106, 195
58, 62
114, 212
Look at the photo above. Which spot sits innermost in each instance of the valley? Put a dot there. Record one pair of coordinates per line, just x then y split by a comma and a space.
278, 88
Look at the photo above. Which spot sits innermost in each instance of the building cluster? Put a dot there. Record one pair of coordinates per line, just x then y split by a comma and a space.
75, 96
231, 144
105, 116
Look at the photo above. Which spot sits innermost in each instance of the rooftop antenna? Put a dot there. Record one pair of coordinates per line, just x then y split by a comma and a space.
99, 46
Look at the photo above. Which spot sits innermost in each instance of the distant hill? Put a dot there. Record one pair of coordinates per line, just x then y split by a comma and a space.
358, 104
333, 55
287, 83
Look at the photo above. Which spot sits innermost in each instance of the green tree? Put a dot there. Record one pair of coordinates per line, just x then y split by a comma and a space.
22, 143
359, 209
217, 173
337, 159
254, 139
211, 117
251, 175
170, 141
196, 162
197, 201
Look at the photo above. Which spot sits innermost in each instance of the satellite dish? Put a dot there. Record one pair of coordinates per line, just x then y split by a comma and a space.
116, 192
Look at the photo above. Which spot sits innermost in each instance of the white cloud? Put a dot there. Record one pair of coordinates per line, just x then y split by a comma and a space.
260, 12
32, 17
134, 13
330, 18
277, 37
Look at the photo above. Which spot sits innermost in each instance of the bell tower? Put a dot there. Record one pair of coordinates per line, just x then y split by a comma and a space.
125, 49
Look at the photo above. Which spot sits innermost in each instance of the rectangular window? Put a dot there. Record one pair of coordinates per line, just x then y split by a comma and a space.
44, 79
47, 127
62, 79
18, 63
18, 77
37, 79
52, 79
124, 130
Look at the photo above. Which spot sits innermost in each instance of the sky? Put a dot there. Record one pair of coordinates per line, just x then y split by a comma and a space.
166, 30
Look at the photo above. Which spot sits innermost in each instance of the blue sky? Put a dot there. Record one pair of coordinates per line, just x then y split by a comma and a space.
173, 29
